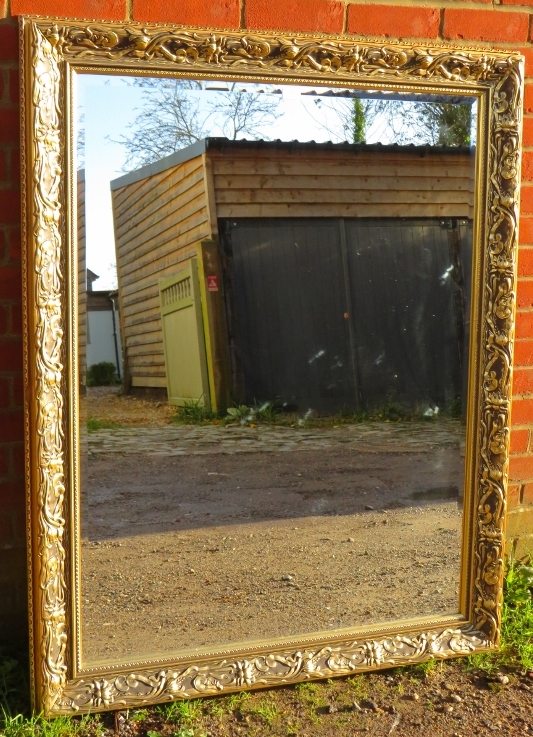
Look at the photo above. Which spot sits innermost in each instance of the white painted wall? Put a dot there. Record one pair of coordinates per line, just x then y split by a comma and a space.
100, 342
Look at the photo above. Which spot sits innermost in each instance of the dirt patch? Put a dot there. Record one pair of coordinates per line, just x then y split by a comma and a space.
226, 543
440, 700
107, 404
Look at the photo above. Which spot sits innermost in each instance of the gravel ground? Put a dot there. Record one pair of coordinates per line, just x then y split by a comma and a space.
199, 536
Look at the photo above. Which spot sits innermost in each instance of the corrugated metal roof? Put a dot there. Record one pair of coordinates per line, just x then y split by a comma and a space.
226, 144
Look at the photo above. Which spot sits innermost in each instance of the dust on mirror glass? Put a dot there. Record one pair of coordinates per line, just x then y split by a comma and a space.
274, 308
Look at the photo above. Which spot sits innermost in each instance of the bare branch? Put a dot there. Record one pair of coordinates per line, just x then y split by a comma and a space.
172, 117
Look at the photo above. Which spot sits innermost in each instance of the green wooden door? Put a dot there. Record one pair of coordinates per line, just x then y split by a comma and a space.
183, 337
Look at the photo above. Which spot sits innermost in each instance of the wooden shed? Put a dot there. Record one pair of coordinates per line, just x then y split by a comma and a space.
297, 249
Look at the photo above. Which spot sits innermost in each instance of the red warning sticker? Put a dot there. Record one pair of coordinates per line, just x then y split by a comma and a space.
212, 283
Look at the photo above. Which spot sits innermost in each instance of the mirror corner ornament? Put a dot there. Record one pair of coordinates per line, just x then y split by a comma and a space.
48, 45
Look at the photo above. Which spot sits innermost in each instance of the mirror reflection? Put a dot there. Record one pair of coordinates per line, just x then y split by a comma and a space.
274, 307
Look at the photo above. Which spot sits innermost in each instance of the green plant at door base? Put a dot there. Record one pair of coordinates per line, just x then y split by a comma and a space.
194, 412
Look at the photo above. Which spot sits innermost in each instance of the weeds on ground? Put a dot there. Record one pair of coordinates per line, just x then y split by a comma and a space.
271, 413
94, 424
195, 413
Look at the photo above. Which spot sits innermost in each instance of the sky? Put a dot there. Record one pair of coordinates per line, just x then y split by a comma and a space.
110, 104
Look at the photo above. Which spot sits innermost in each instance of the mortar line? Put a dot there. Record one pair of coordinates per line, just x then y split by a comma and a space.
441, 25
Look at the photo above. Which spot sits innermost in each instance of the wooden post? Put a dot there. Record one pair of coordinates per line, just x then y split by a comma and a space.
213, 301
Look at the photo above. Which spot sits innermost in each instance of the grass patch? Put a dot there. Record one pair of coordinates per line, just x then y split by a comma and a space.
178, 712
516, 646
267, 710
94, 424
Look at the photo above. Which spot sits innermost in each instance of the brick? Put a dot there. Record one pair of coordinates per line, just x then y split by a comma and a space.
519, 522
11, 563
526, 199
9, 214
527, 53
4, 318
15, 327
4, 247
527, 494
9, 41
11, 496
522, 381
523, 354
18, 458
524, 293
10, 276
525, 261
485, 25
11, 426
519, 440
528, 98
521, 468
509, 547
325, 16
19, 524
4, 461
527, 165
524, 325
90, 9
15, 244
527, 132
14, 86
7, 536
5, 392
10, 126
18, 391
513, 496
525, 231
523, 547
11, 355
398, 21
15, 164
522, 411
220, 14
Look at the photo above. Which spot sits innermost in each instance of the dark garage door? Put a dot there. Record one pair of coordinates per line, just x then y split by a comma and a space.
350, 313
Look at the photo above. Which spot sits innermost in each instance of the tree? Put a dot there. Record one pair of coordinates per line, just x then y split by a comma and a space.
397, 121
173, 116
346, 119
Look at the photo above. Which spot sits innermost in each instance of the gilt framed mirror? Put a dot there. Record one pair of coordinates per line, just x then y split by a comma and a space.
269, 287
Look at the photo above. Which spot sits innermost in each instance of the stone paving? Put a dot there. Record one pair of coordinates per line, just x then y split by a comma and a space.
176, 440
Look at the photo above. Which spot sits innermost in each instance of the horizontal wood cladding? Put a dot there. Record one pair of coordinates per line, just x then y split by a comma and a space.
158, 222
161, 219
341, 184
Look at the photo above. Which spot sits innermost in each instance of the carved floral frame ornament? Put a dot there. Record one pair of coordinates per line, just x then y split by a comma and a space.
54, 49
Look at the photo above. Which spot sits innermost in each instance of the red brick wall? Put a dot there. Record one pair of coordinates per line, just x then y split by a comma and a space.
506, 24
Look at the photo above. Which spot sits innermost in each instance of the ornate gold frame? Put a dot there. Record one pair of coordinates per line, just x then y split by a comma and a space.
53, 50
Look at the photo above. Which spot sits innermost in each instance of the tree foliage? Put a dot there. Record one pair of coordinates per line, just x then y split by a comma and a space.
396, 121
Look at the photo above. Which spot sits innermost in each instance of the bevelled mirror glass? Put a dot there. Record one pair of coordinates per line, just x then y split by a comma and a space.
286, 314
280, 449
